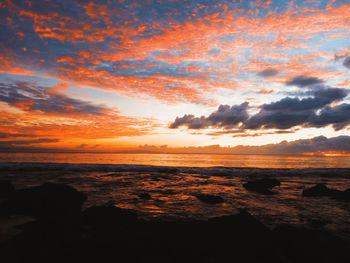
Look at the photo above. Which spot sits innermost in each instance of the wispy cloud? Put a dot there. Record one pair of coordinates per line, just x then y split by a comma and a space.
202, 61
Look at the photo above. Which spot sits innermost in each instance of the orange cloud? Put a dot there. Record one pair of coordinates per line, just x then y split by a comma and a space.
71, 127
194, 40
8, 64
58, 88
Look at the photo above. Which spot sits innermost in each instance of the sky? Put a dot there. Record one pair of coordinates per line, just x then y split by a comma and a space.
193, 76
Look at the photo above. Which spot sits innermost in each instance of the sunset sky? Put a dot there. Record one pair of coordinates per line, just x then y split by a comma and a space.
111, 75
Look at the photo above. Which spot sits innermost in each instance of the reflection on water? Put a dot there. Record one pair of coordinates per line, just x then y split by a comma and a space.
172, 195
198, 160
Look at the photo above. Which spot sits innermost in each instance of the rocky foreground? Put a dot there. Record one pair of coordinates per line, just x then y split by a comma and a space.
46, 223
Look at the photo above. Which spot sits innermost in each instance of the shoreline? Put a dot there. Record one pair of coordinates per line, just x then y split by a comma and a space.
52, 226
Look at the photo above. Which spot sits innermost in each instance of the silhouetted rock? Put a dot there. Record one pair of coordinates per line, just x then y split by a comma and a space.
243, 220
320, 190
46, 200
210, 199
317, 223
343, 195
242, 234
262, 186
108, 215
6, 188
300, 244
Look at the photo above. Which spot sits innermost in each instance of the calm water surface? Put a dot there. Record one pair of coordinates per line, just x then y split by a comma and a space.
198, 160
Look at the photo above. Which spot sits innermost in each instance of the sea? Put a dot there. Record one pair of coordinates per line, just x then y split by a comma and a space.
165, 186
189, 160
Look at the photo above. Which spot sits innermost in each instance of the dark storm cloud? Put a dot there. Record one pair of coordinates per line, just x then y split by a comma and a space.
31, 97
286, 113
190, 121
267, 73
346, 62
338, 117
229, 116
289, 112
277, 119
322, 97
293, 104
225, 116
302, 81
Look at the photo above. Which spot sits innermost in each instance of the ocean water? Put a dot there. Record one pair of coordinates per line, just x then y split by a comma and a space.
173, 190
188, 160
174, 180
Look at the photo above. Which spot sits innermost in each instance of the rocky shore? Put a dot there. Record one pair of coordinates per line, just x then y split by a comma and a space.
47, 223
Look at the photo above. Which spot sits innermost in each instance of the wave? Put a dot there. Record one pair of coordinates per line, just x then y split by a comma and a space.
205, 171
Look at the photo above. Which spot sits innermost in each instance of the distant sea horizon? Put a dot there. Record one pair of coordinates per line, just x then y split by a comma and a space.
179, 159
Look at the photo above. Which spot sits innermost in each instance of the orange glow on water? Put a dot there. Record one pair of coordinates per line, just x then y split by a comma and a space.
188, 160
327, 154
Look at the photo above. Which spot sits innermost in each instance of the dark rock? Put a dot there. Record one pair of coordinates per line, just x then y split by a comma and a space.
108, 215
300, 244
243, 220
320, 190
6, 188
343, 195
262, 186
317, 223
242, 233
210, 199
46, 200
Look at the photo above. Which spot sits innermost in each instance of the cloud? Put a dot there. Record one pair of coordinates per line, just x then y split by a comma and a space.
322, 97
346, 62
303, 81
30, 97
90, 43
190, 121
225, 116
277, 119
24, 144
167, 53
289, 112
338, 117
82, 146
41, 140
316, 145
4, 135
266, 73
283, 114
34, 110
